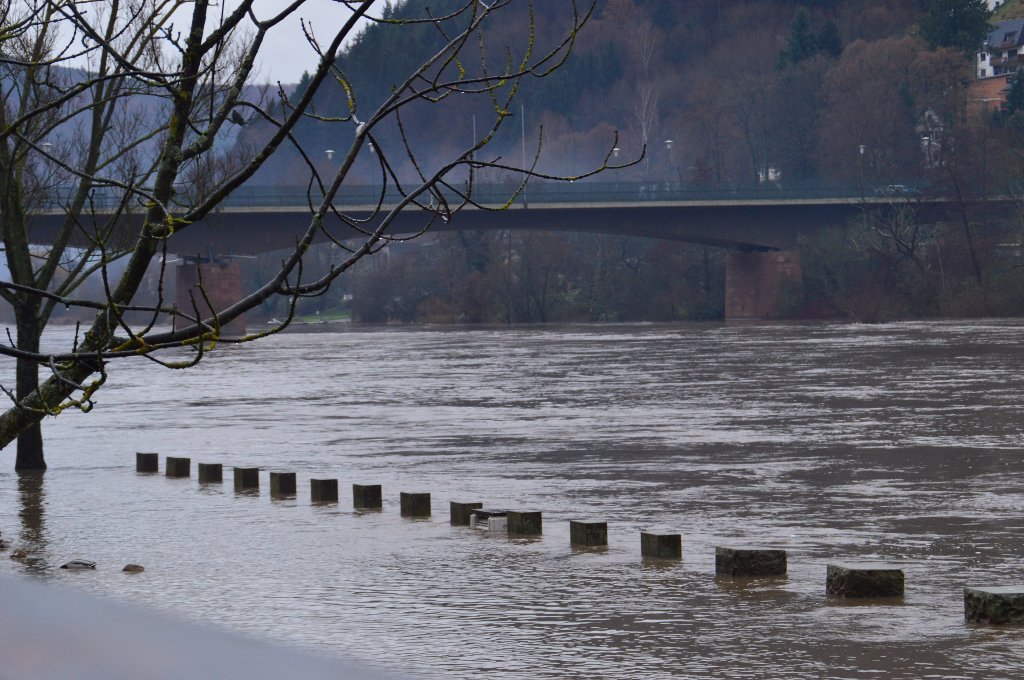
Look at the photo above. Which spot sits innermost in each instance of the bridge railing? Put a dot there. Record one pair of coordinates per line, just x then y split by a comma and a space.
280, 196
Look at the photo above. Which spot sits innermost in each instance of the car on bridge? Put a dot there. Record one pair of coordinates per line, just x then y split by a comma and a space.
896, 190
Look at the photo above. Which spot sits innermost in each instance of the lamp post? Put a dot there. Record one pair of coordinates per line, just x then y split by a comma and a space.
860, 168
669, 144
330, 154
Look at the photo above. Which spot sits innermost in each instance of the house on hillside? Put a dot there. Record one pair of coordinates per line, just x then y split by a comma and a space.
997, 62
1003, 50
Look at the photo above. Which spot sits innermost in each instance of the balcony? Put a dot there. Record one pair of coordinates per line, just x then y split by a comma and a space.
1006, 64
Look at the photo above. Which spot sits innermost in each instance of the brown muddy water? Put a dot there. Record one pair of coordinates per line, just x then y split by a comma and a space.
899, 443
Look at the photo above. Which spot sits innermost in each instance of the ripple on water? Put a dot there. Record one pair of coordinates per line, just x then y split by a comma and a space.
895, 442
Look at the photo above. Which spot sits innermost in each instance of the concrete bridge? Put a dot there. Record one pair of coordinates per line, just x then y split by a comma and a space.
761, 224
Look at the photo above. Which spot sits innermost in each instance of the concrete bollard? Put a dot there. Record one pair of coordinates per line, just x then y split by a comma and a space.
367, 496
247, 478
661, 546
588, 534
491, 519
997, 605
864, 581
211, 473
147, 462
415, 504
747, 562
323, 490
178, 467
525, 523
282, 484
460, 512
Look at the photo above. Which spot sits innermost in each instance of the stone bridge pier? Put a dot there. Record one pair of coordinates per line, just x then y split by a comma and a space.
761, 285
222, 284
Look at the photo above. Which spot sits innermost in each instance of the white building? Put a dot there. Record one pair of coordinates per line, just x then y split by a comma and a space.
1003, 51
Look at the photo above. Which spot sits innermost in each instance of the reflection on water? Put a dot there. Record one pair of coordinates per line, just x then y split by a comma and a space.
898, 443
32, 536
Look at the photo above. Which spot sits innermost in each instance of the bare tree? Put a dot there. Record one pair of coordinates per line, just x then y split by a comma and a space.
133, 95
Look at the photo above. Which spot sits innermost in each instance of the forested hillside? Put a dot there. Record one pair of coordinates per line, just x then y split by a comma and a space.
739, 86
868, 93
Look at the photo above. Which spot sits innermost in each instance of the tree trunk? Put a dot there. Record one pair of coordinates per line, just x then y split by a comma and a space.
30, 440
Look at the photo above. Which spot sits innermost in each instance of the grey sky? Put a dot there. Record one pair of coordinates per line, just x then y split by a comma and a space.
285, 54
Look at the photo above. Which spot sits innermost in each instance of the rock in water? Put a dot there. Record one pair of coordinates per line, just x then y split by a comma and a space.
78, 565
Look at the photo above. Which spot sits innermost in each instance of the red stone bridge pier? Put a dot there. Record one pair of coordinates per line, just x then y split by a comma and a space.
759, 285
220, 281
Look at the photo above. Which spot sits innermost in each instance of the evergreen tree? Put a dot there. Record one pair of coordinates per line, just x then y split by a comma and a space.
961, 24
829, 42
1015, 97
801, 43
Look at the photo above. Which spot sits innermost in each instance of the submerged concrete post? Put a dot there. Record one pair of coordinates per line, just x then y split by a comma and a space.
147, 462
661, 546
996, 605
461, 512
864, 581
415, 504
282, 484
247, 478
748, 562
588, 534
178, 467
761, 285
323, 490
525, 523
367, 496
220, 283
211, 473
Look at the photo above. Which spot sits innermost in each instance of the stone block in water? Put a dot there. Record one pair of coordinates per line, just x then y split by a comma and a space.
247, 478
525, 523
415, 504
747, 562
178, 467
661, 546
461, 512
323, 490
367, 496
864, 581
998, 605
282, 484
211, 473
588, 534
147, 462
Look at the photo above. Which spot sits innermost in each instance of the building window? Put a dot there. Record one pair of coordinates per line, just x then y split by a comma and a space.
982, 73
982, 55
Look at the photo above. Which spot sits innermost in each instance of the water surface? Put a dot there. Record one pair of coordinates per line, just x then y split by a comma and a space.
896, 442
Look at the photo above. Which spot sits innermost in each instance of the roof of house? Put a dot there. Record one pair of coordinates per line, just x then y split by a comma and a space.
1009, 31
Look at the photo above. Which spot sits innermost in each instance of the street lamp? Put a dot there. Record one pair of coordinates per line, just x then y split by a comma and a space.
330, 154
669, 143
616, 151
860, 168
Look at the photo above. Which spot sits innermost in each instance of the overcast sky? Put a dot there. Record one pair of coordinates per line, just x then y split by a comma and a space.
285, 53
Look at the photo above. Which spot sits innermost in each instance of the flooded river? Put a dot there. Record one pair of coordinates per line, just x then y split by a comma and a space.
899, 443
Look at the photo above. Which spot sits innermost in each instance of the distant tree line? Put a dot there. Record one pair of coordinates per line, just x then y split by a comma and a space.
872, 93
